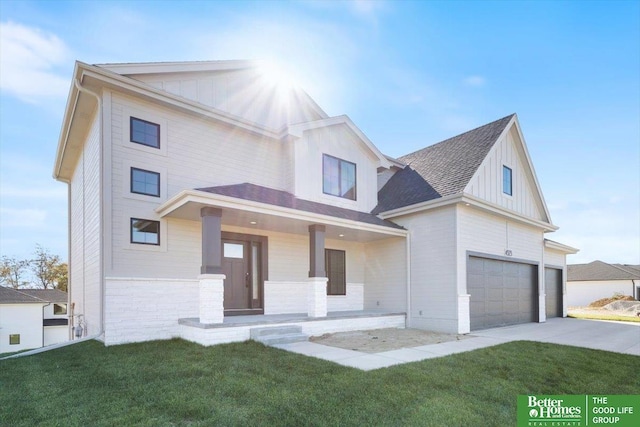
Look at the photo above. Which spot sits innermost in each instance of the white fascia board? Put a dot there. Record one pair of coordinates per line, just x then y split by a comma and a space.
468, 200
560, 247
218, 200
298, 129
69, 111
144, 90
177, 67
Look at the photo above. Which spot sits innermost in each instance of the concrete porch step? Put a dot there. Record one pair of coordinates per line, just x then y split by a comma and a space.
278, 335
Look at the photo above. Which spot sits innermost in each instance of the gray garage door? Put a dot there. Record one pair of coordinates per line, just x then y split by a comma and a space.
553, 286
502, 293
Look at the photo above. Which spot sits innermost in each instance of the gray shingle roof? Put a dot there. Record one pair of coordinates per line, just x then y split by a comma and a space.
16, 296
441, 169
48, 295
270, 196
598, 270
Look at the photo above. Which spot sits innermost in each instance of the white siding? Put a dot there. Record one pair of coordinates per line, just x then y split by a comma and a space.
337, 141
433, 269
583, 293
194, 153
493, 235
487, 181
85, 215
554, 258
386, 275
22, 319
239, 92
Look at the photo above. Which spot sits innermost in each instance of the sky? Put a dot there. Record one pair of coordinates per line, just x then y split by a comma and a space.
409, 74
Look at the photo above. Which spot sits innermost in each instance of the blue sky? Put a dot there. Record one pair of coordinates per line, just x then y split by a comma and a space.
409, 74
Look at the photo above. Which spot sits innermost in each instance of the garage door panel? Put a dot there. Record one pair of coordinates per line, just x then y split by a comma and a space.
501, 292
553, 289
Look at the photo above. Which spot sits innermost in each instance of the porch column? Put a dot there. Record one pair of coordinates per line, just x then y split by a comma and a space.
317, 290
211, 304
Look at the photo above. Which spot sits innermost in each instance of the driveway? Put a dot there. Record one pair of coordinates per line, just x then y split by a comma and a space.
619, 337
600, 335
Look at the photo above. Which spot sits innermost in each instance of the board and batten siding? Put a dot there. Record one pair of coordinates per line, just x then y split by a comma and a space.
340, 142
433, 269
386, 275
84, 275
194, 153
486, 184
243, 93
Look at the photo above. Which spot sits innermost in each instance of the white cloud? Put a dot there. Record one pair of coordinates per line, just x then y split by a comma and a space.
28, 57
475, 81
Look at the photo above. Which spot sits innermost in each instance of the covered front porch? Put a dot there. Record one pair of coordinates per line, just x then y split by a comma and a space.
263, 262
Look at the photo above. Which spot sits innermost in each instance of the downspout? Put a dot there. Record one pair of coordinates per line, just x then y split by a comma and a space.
43, 322
408, 319
77, 84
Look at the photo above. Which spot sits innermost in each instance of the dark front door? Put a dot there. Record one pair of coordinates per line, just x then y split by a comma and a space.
235, 266
245, 271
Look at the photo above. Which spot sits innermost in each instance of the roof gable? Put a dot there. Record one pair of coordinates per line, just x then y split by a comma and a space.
511, 151
298, 129
441, 169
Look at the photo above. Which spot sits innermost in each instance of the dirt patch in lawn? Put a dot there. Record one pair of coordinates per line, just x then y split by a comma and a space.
379, 340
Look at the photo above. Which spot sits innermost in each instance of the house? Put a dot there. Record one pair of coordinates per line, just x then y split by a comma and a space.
32, 318
590, 282
206, 199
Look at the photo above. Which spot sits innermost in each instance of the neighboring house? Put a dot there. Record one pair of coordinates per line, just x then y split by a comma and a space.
32, 318
590, 282
205, 199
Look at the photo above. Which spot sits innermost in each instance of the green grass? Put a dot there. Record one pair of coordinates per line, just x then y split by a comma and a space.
598, 316
176, 383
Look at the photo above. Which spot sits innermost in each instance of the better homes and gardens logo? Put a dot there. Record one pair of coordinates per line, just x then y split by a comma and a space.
578, 410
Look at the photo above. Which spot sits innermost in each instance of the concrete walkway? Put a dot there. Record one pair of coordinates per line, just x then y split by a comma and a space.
610, 336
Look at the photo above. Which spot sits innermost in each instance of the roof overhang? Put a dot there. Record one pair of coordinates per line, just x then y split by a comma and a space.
80, 108
556, 246
298, 130
262, 216
467, 200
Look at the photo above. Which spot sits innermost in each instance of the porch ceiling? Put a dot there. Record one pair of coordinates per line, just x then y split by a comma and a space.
261, 216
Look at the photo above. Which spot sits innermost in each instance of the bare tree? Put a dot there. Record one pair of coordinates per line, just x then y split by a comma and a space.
12, 271
44, 268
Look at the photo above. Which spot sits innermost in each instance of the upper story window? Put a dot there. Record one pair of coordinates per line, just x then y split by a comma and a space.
338, 177
59, 308
145, 133
507, 182
145, 182
145, 231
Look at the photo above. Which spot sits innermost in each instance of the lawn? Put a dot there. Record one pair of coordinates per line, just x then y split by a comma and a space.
180, 383
604, 316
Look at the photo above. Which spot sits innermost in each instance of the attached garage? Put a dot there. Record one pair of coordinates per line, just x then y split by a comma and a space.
502, 292
553, 286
